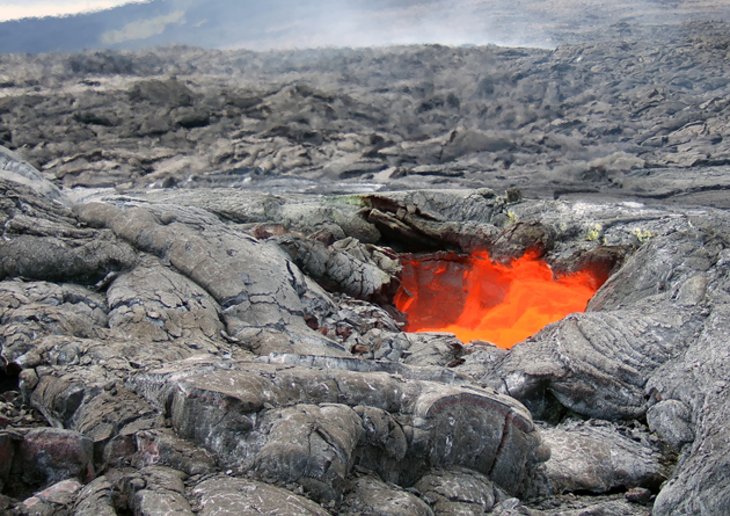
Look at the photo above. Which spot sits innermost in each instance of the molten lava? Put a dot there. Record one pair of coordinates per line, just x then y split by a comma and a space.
478, 299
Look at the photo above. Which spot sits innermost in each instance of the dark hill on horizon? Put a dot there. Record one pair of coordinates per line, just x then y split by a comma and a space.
286, 24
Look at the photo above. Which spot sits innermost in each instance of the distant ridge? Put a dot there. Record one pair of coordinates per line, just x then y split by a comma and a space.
274, 24
207, 23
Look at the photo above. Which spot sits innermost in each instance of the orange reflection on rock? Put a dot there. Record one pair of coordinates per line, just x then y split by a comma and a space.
478, 299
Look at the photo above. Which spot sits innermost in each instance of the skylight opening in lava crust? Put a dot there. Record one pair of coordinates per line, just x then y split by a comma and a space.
476, 298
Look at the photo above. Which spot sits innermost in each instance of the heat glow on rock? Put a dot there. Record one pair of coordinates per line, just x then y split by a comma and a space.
478, 299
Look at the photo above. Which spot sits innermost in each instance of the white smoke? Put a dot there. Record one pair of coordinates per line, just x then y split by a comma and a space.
359, 23
142, 29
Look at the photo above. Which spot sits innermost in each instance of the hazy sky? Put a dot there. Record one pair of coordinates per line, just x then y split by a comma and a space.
12, 9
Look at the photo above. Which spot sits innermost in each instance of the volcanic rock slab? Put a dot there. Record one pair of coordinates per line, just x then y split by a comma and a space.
601, 458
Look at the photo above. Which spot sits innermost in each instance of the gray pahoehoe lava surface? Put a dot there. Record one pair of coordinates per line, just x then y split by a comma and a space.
200, 249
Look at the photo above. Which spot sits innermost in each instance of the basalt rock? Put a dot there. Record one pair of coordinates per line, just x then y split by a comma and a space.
96, 498
345, 266
157, 490
600, 458
311, 425
42, 239
41, 457
240, 273
56, 499
698, 378
228, 495
370, 495
458, 491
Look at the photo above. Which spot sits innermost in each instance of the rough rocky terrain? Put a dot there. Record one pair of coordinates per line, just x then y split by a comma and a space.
629, 112
200, 251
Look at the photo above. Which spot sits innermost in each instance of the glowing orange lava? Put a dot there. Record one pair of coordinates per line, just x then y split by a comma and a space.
478, 299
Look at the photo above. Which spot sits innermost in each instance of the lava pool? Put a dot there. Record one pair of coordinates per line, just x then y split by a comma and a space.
476, 298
